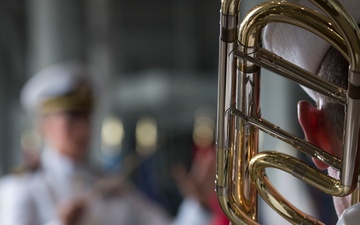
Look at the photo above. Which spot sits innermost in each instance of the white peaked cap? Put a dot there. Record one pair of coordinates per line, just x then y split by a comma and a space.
52, 82
300, 46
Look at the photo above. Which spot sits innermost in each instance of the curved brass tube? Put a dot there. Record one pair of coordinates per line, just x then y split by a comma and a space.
240, 168
298, 169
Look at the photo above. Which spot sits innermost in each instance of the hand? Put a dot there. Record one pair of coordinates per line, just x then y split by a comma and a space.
199, 182
72, 212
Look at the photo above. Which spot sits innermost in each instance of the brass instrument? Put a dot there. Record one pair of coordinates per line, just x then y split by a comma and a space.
240, 167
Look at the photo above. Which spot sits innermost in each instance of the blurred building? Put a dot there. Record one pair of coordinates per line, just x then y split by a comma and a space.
155, 59
119, 38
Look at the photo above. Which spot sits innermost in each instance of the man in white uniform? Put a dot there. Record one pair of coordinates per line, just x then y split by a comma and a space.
322, 125
64, 190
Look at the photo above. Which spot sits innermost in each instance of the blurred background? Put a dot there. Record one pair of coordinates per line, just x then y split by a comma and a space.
156, 66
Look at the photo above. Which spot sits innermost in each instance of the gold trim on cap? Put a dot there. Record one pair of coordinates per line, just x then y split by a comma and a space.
80, 99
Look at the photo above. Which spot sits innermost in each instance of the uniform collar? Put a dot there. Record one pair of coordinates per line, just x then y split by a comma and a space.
52, 160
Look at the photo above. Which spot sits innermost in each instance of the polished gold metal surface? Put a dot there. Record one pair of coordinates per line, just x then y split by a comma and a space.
240, 167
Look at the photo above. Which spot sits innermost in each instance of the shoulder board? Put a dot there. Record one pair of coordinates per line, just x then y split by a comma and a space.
24, 169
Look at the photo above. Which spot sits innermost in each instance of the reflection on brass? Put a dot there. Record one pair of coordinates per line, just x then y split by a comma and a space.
241, 168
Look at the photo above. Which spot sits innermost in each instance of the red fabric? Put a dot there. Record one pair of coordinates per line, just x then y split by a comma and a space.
219, 217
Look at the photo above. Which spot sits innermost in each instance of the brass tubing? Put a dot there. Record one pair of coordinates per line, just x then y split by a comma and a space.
285, 12
268, 60
351, 33
224, 148
249, 36
238, 113
291, 139
298, 169
348, 29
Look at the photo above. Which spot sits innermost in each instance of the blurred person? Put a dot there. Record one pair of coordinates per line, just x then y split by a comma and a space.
322, 124
198, 183
205, 149
63, 189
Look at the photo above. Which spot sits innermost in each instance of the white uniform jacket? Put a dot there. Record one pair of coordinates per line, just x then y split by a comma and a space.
351, 216
34, 199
